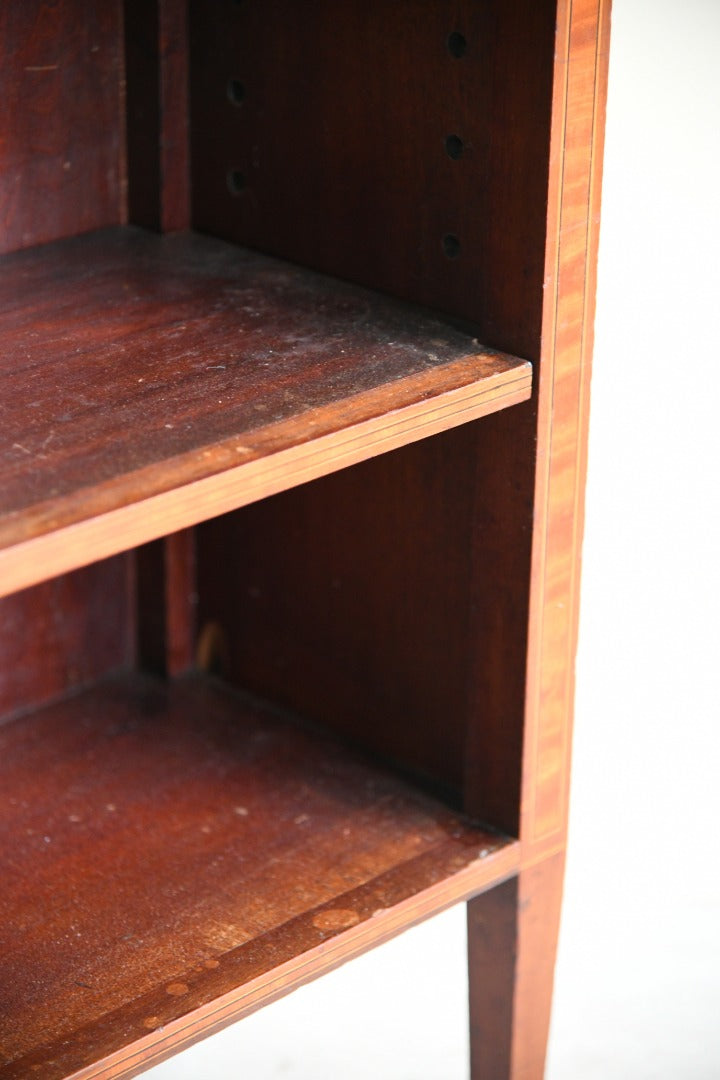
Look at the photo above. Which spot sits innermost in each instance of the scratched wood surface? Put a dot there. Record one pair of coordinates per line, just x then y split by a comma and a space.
179, 842
136, 365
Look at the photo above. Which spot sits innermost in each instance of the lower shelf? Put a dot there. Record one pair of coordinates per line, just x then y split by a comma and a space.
174, 856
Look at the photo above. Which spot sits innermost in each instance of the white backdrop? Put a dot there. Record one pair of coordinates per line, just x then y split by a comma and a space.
637, 988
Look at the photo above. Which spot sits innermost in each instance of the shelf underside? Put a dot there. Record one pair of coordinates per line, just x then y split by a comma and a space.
173, 856
149, 383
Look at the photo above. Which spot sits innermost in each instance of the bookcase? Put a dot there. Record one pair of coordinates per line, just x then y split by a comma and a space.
296, 312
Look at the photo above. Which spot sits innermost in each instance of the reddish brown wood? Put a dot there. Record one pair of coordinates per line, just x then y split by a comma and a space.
180, 600
60, 121
348, 600
343, 165
512, 937
437, 544
394, 601
492, 950
186, 360
563, 390
157, 113
180, 842
510, 1010
64, 634
166, 598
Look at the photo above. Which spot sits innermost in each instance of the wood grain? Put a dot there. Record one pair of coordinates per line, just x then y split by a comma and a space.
166, 601
563, 388
344, 161
512, 935
433, 589
61, 130
64, 634
353, 600
243, 375
438, 539
182, 844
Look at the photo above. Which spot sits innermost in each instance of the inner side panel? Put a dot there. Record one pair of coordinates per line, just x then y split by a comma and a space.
61, 135
65, 633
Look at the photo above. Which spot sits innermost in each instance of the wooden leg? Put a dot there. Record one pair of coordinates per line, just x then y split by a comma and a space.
512, 940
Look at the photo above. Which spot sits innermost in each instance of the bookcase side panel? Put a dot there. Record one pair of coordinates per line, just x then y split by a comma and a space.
61, 127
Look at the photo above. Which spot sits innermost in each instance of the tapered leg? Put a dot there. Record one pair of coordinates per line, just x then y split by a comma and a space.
512, 941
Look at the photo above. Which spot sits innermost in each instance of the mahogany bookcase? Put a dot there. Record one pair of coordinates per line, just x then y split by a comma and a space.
296, 308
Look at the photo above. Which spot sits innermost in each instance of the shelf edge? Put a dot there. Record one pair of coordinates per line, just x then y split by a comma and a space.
108, 532
177, 1035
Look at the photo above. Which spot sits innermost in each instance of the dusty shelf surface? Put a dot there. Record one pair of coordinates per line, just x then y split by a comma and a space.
151, 382
174, 855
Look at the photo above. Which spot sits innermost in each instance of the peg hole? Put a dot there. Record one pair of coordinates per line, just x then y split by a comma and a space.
454, 147
451, 245
235, 91
457, 44
236, 181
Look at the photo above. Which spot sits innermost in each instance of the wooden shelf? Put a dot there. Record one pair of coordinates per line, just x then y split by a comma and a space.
152, 382
174, 855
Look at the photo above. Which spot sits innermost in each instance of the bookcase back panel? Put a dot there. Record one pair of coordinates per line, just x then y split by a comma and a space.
384, 602
346, 600
401, 145
404, 146
61, 133
65, 633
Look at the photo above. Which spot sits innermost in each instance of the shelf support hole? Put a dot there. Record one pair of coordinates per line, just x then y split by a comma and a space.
236, 181
454, 147
451, 245
235, 91
457, 44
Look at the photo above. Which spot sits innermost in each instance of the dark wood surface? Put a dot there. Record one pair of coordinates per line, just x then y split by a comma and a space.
352, 173
342, 164
166, 594
156, 65
512, 937
135, 365
162, 845
344, 160
349, 600
65, 633
61, 124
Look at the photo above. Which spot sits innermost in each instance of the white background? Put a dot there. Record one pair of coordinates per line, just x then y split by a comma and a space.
637, 987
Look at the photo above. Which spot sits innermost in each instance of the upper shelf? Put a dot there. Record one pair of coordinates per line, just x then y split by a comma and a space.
149, 383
